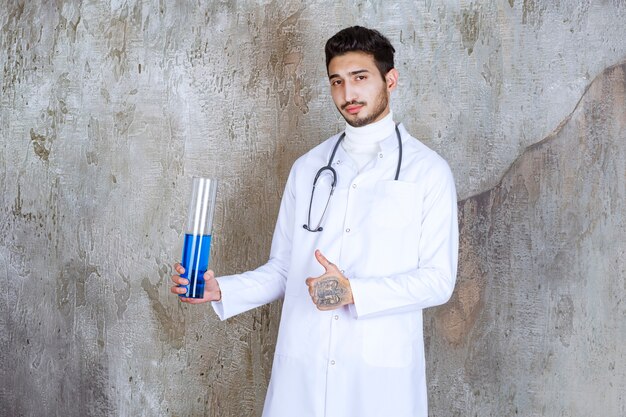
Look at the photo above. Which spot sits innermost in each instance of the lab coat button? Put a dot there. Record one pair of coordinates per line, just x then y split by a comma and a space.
336, 317
353, 185
380, 155
332, 362
348, 230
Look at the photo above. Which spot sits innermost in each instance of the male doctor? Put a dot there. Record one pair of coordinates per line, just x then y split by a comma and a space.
360, 248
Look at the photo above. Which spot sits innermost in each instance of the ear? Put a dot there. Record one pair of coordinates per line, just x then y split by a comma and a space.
391, 78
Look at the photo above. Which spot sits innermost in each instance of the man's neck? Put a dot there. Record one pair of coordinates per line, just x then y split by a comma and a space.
362, 143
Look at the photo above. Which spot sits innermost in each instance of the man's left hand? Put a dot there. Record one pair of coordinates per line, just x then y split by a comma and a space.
330, 290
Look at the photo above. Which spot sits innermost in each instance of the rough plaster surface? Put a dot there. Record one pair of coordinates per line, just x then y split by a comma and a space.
536, 326
108, 108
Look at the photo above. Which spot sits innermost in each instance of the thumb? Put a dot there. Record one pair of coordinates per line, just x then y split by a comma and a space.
328, 266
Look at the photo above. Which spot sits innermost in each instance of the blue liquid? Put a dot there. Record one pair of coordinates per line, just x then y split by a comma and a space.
195, 261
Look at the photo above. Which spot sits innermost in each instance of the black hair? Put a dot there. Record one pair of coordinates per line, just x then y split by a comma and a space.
360, 39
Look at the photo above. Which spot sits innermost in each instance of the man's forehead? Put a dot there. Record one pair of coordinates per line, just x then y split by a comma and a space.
350, 62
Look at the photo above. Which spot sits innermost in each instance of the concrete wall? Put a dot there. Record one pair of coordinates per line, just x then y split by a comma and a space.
108, 109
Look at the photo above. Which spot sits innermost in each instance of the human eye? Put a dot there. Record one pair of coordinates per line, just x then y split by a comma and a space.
335, 82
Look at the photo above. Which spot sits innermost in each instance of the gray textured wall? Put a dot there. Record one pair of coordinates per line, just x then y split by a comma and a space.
108, 109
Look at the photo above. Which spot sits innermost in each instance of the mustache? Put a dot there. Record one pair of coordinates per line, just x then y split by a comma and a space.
353, 102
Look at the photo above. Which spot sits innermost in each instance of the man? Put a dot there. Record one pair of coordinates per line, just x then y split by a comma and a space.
350, 342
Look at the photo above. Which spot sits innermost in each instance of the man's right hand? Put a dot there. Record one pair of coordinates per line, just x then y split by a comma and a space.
211, 287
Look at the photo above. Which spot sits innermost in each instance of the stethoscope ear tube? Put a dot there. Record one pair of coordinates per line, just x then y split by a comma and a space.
399, 153
332, 190
322, 169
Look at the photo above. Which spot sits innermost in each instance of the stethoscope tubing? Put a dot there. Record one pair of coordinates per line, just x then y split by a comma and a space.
328, 167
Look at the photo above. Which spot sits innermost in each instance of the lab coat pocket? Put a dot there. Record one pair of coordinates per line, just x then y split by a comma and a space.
388, 341
395, 204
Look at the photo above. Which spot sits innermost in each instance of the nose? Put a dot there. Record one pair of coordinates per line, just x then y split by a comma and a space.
349, 92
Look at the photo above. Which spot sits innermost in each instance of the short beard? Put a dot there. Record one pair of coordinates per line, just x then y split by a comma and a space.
379, 108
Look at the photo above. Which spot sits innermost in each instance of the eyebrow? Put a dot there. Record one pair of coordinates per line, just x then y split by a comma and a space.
359, 71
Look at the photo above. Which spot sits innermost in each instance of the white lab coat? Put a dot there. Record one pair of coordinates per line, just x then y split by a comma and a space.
397, 242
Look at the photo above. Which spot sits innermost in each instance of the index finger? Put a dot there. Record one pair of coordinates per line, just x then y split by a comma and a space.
179, 268
177, 279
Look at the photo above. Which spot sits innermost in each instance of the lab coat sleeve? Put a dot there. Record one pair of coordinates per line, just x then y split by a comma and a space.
432, 283
243, 292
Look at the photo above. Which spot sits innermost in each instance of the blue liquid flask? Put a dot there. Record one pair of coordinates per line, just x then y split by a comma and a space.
197, 244
196, 253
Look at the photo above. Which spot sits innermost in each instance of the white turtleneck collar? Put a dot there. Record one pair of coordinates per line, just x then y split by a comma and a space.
362, 143
371, 133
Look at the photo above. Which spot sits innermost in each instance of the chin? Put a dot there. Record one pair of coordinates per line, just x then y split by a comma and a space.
359, 121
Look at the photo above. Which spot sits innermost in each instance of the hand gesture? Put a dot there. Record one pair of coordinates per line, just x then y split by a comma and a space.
211, 287
330, 290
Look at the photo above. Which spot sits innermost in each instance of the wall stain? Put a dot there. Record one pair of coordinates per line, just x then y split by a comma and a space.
69, 18
124, 118
285, 65
291, 20
470, 28
15, 31
532, 12
53, 117
117, 35
39, 145
71, 284
122, 296
292, 62
564, 325
18, 207
456, 319
173, 329
488, 220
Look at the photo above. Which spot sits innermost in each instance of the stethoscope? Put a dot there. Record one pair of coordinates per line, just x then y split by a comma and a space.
332, 171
